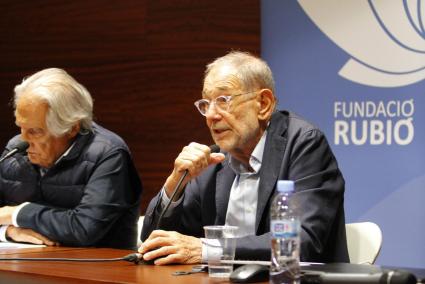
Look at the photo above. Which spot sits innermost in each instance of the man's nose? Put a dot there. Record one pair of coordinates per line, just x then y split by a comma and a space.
211, 111
24, 135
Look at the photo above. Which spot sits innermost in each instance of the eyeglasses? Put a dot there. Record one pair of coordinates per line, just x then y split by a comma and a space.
221, 103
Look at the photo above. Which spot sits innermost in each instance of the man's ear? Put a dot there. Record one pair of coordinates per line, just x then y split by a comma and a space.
267, 103
74, 130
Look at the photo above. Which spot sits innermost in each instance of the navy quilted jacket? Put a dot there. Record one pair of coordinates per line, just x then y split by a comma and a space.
91, 197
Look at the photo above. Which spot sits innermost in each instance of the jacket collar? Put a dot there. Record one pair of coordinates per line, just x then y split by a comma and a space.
79, 143
272, 162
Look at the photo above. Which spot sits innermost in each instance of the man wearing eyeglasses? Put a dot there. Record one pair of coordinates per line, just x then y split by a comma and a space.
259, 146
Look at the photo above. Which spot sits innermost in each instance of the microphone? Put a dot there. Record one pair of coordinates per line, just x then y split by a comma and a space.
385, 277
213, 149
20, 147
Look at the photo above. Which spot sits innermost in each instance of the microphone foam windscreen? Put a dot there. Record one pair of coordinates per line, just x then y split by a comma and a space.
214, 148
22, 146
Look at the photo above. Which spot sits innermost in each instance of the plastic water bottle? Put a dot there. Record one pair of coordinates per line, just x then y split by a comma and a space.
285, 236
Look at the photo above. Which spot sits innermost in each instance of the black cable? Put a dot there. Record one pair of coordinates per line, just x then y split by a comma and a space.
132, 257
213, 149
176, 189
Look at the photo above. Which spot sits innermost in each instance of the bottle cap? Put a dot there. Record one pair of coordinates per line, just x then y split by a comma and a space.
285, 186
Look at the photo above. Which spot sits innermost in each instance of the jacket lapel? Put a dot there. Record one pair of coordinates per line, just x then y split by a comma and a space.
225, 178
271, 163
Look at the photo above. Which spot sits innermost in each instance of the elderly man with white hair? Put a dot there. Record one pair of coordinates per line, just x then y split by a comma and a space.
76, 184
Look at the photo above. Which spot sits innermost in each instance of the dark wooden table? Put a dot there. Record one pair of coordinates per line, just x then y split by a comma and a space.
30, 272
88, 272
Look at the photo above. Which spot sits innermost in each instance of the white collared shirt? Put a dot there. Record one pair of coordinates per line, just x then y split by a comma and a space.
242, 207
243, 200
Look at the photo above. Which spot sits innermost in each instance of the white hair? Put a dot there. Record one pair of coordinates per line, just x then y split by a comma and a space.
251, 71
69, 102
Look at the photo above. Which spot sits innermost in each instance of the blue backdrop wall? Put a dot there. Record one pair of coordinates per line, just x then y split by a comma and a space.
356, 68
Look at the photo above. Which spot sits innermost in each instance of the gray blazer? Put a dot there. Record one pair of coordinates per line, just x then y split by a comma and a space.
294, 150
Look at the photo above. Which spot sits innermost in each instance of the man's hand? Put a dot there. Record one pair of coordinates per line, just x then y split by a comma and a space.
171, 247
195, 158
6, 214
24, 235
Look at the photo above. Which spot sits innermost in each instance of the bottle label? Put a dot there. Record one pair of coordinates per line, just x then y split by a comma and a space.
284, 228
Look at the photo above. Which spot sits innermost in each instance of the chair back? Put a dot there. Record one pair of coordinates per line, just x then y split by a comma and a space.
139, 230
364, 241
